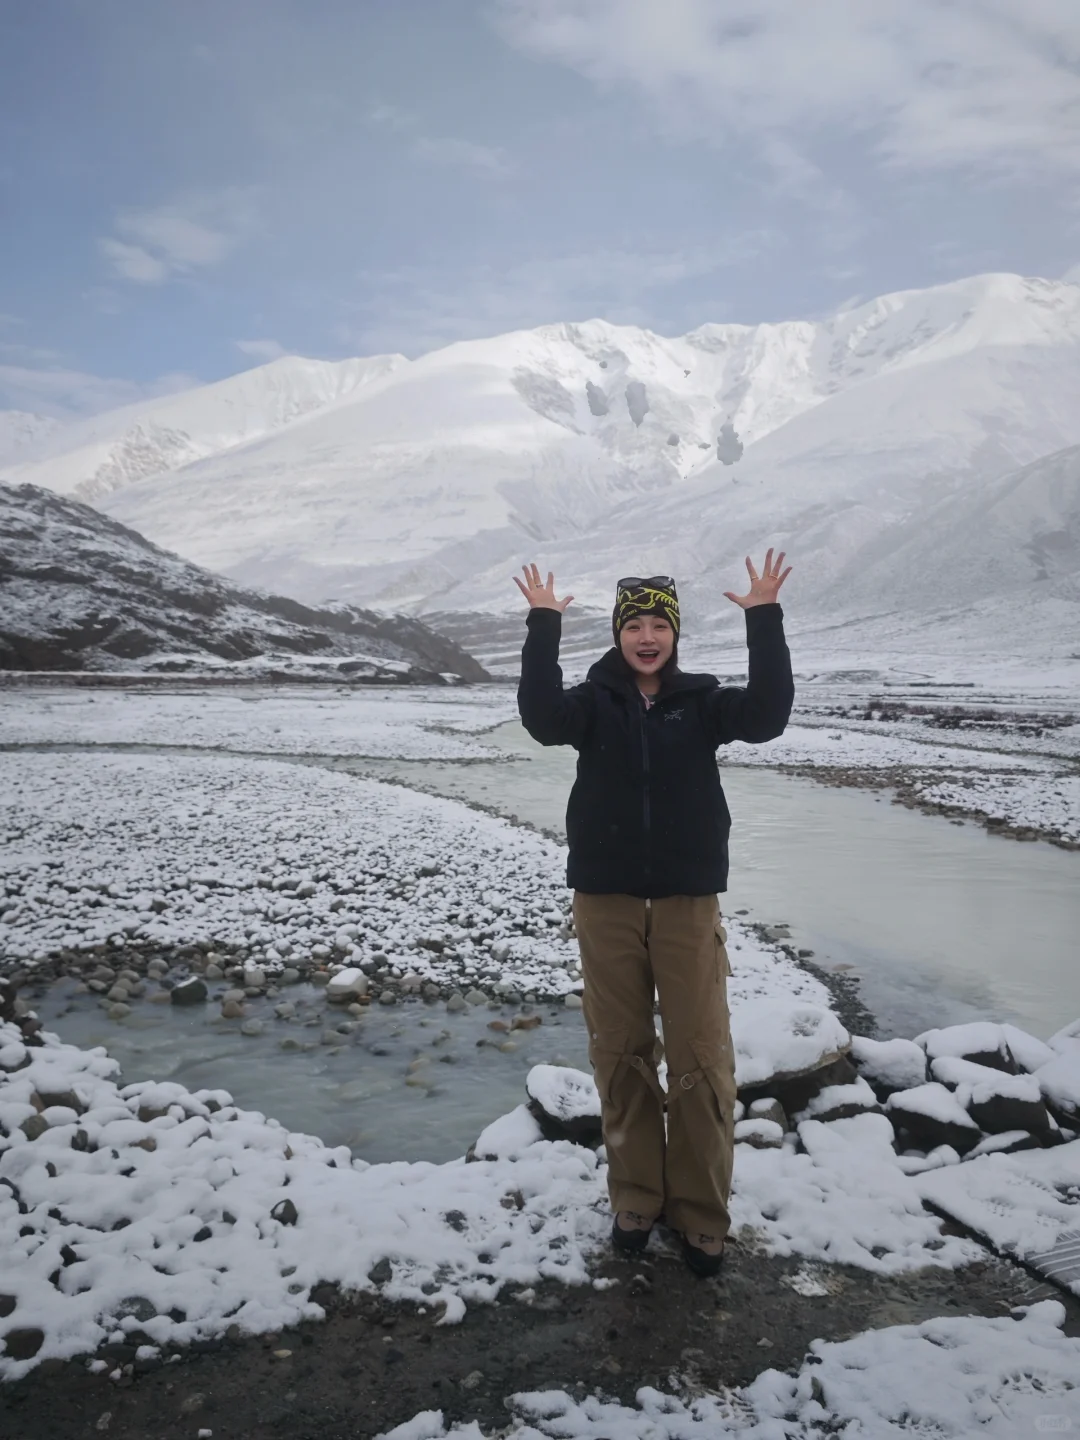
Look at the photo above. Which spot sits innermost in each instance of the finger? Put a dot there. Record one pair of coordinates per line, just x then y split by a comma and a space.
551, 581
563, 603
783, 577
779, 561
535, 575
728, 594
521, 587
768, 560
750, 568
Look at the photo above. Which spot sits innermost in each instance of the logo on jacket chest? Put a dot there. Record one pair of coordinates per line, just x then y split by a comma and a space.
668, 715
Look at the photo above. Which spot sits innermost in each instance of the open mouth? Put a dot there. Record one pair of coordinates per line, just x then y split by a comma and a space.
648, 656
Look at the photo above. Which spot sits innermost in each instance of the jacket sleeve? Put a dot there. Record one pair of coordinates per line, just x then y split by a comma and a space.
761, 710
550, 714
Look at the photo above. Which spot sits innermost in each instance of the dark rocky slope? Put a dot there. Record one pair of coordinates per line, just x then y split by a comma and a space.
79, 591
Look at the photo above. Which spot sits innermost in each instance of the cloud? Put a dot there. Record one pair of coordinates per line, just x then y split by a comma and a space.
415, 310
68, 394
445, 150
484, 159
262, 350
987, 85
153, 245
1072, 275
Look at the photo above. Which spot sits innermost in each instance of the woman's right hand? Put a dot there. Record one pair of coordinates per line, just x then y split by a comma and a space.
539, 596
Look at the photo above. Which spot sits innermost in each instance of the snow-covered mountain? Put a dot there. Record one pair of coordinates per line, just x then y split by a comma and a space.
594, 448
21, 432
80, 592
94, 457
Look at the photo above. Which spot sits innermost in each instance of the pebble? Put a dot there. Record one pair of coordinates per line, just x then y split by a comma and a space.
572, 1001
290, 1044
118, 992
251, 1027
231, 1010
214, 972
456, 1003
285, 1011
476, 997
290, 975
388, 998
236, 995
119, 1011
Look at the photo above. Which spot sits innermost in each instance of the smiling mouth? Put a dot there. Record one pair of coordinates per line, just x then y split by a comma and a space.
648, 655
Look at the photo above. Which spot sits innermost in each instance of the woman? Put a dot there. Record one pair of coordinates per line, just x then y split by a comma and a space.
647, 826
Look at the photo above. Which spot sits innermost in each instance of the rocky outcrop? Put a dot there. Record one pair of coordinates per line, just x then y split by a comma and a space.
80, 592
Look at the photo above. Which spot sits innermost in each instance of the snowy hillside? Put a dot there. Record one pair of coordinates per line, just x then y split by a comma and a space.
92, 458
21, 432
599, 449
80, 592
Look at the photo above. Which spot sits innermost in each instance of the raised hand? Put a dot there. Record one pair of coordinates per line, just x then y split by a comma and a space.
763, 588
540, 596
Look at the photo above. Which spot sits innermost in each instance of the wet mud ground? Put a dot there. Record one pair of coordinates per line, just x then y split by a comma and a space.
372, 1365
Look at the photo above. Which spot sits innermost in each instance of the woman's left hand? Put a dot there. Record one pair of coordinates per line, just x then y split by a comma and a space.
763, 588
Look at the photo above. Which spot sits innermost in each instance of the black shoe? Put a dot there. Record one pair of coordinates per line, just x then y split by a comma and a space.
700, 1261
630, 1242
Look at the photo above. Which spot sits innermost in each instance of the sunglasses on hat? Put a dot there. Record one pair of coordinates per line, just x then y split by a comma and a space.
653, 582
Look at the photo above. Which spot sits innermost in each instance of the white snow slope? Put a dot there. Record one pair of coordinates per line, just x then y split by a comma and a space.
866, 434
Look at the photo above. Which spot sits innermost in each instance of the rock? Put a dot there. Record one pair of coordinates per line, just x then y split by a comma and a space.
768, 1108
254, 977
34, 1126
231, 1010
889, 1065
285, 1011
138, 1307
431, 991
190, 992
996, 1100
572, 1001
475, 997
118, 992
388, 998
346, 984
930, 1115
320, 977
456, 1003
43, 1099
290, 1044
7, 1306
251, 1027
762, 1134
290, 975
118, 1011
981, 1042
214, 972
285, 1213
565, 1103
526, 1022
23, 1343
381, 1272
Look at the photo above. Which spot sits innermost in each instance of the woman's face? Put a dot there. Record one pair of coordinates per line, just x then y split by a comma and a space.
646, 643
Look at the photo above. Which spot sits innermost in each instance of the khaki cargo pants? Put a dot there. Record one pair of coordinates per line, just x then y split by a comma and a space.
675, 946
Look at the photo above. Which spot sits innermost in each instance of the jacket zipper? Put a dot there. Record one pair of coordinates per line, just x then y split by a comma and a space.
646, 816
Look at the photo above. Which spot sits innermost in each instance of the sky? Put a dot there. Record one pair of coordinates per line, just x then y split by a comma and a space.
187, 190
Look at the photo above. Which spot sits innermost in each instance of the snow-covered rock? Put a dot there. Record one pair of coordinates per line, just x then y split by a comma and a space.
889, 1065
565, 1103
980, 1041
995, 1100
929, 1115
788, 1049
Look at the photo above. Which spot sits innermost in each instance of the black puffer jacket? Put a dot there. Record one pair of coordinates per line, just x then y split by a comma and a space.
647, 814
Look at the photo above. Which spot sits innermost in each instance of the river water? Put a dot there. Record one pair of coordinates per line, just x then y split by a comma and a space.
940, 922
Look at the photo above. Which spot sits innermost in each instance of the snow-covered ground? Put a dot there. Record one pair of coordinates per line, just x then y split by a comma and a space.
949, 1378
411, 725
152, 1209
275, 860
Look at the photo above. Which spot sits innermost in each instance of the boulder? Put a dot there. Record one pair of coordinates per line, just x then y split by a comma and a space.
930, 1115
761, 1134
788, 1050
840, 1102
565, 1103
980, 1041
507, 1137
347, 984
889, 1065
189, 992
996, 1101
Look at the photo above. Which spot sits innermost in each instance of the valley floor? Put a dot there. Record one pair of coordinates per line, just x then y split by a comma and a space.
233, 1279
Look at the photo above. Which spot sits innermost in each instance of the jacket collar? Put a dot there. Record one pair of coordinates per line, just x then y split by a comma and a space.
612, 671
